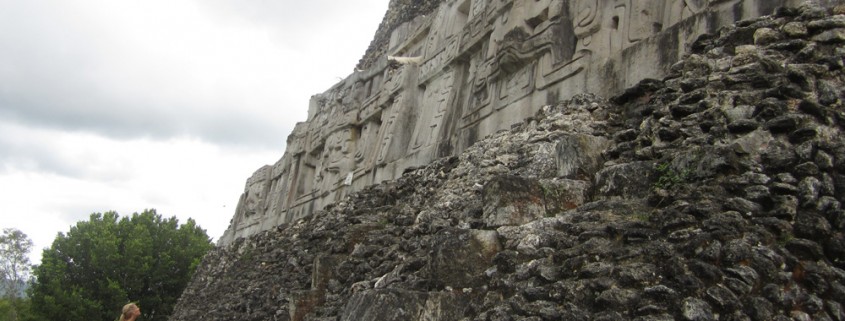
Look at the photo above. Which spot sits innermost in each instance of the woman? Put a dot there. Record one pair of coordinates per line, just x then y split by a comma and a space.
130, 312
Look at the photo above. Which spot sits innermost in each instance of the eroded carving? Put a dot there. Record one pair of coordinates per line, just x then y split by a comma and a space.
434, 102
256, 192
337, 159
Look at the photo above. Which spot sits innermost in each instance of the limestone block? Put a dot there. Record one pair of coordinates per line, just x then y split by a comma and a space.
323, 271
445, 306
626, 181
406, 305
512, 200
564, 194
301, 303
369, 305
579, 156
831, 36
460, 257
703, 162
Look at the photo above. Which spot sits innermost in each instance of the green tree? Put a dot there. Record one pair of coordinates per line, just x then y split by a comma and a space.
105, 262
22, 310
14, 269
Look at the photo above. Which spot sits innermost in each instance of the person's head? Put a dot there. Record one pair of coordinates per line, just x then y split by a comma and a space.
129, 312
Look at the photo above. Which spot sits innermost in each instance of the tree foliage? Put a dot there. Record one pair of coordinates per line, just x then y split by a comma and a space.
14, 270
15, 310
105, 262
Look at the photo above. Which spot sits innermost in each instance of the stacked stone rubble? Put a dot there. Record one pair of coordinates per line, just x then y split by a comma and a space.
714, 193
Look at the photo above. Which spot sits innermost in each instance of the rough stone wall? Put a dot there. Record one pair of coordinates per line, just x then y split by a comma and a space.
714, 193
440, 75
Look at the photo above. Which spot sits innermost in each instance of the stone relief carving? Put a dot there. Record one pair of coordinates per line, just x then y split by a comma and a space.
489, 62
477, 88
587, 21
435, 65
278, 186
386, 132
516, 85
256, 192
365, 146
478, 7
432, 43
305, 171
432, 107
645, 18
337, 159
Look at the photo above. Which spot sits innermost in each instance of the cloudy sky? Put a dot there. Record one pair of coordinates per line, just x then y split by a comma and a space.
134, 104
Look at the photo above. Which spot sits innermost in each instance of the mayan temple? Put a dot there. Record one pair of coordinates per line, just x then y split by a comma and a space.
556, 160
444, 74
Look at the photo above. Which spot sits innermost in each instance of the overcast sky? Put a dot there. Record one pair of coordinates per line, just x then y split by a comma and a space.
133, 104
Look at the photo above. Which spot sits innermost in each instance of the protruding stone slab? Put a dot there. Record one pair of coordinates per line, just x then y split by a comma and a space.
625, 181
460, 257
370, 305
407, 305
580, 156
512, 200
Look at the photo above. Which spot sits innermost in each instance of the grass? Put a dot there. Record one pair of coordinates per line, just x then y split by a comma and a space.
669, 177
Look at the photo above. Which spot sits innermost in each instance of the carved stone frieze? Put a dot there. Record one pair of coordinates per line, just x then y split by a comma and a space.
461, 72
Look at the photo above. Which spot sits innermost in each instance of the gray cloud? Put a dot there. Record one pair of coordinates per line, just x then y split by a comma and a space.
36, 158
37, 155
304, 16
65, 72
104, 117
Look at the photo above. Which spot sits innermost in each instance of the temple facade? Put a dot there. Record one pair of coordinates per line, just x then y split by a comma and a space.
469, 69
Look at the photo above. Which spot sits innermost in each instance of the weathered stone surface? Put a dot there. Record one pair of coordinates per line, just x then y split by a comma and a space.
665, 214
564, 194
835, 35
460, 257
805, 249
696, 310
765, 36
631, 180
580, 156
440, 75
512, 200
373, 305
795, 29
722, 298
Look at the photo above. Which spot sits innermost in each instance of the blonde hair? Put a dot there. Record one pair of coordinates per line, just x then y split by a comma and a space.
126, 313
